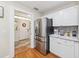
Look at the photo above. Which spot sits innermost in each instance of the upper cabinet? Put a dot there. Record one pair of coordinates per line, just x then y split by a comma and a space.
65, 17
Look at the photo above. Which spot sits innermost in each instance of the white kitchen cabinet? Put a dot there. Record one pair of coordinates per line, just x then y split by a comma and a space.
53, 45
66, 17
70, 16
62, 48
76, 47
56, 19
66, 48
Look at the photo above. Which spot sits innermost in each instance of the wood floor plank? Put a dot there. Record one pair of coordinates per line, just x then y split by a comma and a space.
31, 53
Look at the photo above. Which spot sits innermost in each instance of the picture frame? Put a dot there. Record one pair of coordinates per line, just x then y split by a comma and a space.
1, 12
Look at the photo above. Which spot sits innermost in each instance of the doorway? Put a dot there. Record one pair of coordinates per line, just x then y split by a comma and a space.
22, 33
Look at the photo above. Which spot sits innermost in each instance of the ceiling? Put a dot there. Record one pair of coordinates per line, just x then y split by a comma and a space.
44, 6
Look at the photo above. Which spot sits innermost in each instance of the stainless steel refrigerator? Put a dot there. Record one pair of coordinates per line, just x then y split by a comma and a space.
43, 28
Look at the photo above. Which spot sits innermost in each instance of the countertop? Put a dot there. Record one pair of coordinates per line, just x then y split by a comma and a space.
75, 39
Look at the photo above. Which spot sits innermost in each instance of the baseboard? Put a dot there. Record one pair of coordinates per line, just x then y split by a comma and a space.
55, 55
8, 56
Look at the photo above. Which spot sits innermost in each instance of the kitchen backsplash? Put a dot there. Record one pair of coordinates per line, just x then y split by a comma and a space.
70, 31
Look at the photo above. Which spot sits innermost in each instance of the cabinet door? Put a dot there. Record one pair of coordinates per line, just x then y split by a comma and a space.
54, 47
66, 17
57, 18
76, 49
70, 16
66, 48
53, 44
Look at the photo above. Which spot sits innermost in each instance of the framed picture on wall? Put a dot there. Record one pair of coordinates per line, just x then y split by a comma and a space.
1, 12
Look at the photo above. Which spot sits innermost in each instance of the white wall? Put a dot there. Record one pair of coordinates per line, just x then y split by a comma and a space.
22, 32
4, 33
7, 28
34, 16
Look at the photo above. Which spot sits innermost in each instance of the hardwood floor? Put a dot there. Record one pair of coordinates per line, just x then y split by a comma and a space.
24, 52
22, 42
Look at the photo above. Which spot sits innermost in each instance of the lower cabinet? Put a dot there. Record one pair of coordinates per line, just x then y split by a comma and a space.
76, 47
65, 50
53, 45
62, 48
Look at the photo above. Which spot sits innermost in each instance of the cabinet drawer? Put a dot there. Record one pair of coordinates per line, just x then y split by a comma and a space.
65, 42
